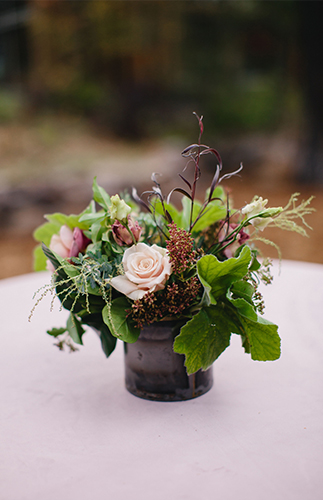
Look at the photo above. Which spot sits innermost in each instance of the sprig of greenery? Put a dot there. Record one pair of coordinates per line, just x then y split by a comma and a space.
286, 219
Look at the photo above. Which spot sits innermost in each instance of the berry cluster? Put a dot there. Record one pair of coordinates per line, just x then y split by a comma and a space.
172, 301
180, 249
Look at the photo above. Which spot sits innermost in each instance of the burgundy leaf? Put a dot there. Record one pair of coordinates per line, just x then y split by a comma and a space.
168, 217
138, 200
178, 190
227, 176
215, 152
186, 181
214, 181
187, 150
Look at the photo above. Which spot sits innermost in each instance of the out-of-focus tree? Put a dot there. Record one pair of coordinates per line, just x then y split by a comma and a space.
130, 64
310, 15
139, 67
114, 60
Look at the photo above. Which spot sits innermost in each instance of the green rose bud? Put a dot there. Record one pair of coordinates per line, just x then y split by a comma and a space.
119, 209
259, 216
271, 212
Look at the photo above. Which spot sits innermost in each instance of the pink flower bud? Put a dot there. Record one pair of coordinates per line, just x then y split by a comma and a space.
68, 243
236, 242
79, 243
121, 234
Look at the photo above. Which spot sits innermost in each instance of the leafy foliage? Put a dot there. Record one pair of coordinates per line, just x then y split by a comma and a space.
205, 274
230, 310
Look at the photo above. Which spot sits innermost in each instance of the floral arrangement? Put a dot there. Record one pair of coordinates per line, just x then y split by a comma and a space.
129, 261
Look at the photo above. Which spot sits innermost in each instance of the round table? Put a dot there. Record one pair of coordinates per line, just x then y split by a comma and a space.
70, 430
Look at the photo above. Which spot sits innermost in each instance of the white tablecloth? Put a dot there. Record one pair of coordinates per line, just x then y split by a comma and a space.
70, 430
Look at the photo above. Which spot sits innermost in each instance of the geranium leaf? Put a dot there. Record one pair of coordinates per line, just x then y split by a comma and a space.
205, 337
218, 276
243, 289
244, 308
262, 339
119, 325
214, 212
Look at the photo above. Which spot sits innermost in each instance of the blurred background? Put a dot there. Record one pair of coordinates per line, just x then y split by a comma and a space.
108, 88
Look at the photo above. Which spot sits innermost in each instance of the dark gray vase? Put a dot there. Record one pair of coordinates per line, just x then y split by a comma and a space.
155, 372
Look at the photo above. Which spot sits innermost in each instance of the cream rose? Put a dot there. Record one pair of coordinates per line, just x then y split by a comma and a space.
147, 268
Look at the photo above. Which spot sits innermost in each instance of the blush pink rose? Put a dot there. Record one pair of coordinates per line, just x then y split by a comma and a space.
147, 268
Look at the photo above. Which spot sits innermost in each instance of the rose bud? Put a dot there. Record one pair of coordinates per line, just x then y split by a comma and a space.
122, 235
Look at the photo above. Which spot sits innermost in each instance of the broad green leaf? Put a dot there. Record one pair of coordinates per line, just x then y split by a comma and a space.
242, 289
108, 341
75, 329
100, 195
96, 232
217, 193
217, 276
55, 332
186, 212
44, 233
174, 213
207, 297
213, 213
119, 325
40, 260
93, 217
69, 220
205, 337
262, 339
244, 308
255, 264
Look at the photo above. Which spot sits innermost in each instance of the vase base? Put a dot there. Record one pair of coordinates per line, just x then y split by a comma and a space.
155, 372
194, 390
